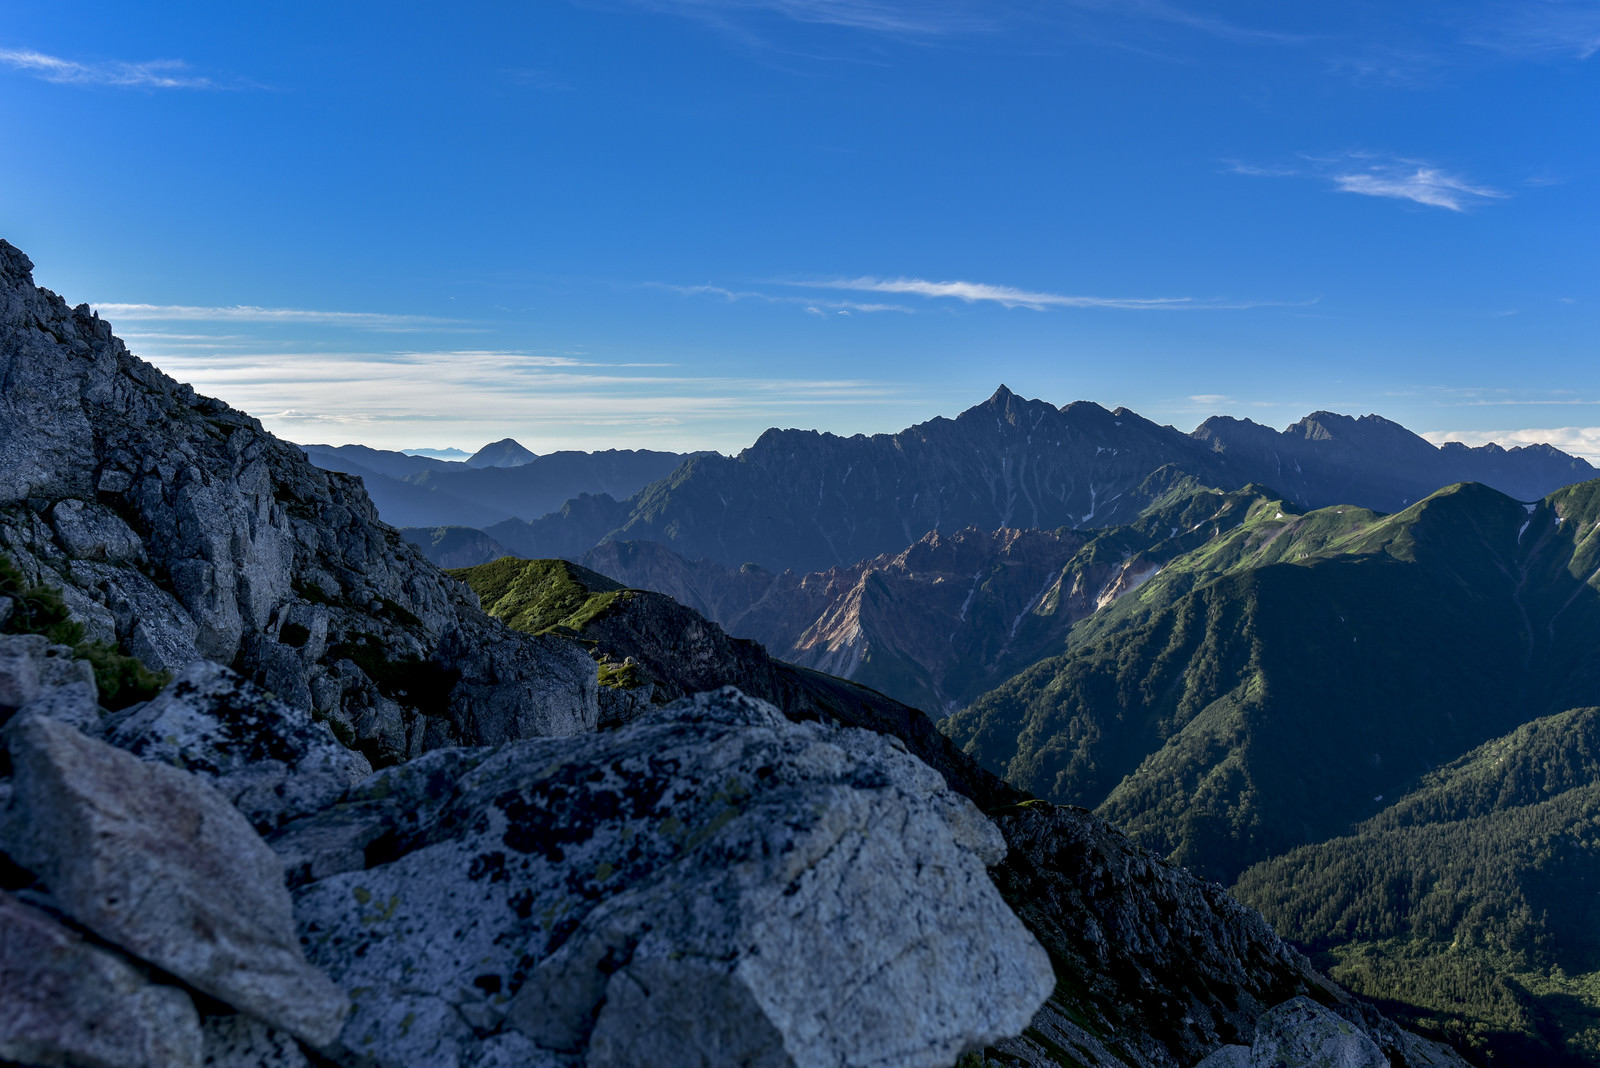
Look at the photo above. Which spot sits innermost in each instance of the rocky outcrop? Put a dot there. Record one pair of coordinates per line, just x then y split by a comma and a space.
1302, 1034
643, 897
179, 529
145, 856
270, 759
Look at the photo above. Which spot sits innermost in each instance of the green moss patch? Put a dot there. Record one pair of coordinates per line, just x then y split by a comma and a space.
540, 596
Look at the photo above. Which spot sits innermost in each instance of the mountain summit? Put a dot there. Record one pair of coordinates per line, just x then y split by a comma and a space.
503, 453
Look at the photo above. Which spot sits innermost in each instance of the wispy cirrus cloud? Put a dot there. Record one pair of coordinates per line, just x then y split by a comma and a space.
1417, 182
465, 397
1014, 297
1376, 175
151, 74
1535, 29
1161, 11
246, 313
810, 304
932, 18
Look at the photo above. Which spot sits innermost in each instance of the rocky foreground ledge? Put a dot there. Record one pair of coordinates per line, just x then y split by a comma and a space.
711, 884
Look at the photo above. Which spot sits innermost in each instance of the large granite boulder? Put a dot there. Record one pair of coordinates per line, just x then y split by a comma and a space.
712, 884
157, 862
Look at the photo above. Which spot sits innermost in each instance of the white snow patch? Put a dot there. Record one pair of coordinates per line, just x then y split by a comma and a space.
977, 576
1531, 507
1523, 529
1038, 598
1090, 514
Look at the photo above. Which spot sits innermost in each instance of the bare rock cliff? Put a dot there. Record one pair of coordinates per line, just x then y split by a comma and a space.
180, 529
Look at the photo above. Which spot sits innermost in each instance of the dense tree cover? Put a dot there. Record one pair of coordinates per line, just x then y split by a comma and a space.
1272, 686
1382, 727
1472, 905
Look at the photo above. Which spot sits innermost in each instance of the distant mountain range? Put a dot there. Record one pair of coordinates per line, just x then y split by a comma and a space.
808, 501
950, 617
503, 481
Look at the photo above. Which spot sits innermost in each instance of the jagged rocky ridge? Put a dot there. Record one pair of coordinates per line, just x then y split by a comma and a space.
107, 984
176, 527
810, 501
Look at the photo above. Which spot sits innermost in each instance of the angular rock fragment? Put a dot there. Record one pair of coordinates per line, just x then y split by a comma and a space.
711, 884
65, 1001
1227, 1057
39, 678
1302, 1034
270, 759
156, 861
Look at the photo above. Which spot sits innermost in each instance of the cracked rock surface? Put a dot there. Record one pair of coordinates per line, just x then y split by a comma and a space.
712, 884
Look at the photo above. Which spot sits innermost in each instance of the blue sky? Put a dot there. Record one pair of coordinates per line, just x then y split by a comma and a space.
673, 223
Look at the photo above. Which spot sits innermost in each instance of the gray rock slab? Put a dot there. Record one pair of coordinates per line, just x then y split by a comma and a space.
270, 759
32, 670
1227, 1057
158, 862
64, 1001
19, 674
711, 884
76, 704
1302, 1034
92, 531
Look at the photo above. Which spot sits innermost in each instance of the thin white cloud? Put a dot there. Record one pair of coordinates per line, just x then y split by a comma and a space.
1416, 182
1161, 11
1010, 296
1254, 171
1210, 400
1534, 29
152, 74
1392, 177
1583, 441
394, 399
905, 18
246, 313
807, 303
